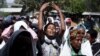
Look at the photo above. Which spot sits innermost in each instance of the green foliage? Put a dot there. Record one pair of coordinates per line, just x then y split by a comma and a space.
92, 5
95, 5
71, 6
77, 6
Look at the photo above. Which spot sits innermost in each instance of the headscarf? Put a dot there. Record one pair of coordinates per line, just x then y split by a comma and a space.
18, 24
81, 26
50, 18
73, 34
85, 46
20, 44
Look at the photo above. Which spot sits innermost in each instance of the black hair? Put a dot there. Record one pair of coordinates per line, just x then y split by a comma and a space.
56, 24
1, 26
27, 18
93, 33
13, 18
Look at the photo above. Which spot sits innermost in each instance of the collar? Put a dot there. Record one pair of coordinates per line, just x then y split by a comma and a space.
49, 41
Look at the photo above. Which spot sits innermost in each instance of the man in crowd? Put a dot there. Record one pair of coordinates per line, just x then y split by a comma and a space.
92, 35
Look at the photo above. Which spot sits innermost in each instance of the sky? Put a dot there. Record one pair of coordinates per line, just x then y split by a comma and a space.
9, 1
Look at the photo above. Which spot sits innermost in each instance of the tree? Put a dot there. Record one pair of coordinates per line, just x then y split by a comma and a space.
95, 5
3, 3
71, 6
77, 6
30, 5
92, 5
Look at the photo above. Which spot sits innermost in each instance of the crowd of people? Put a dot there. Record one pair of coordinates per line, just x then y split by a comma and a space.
47, 36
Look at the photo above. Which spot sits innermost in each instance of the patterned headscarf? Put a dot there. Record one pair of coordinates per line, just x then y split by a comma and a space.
76, 29
73, 34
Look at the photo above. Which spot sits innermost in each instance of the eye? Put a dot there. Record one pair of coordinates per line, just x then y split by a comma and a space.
80, 32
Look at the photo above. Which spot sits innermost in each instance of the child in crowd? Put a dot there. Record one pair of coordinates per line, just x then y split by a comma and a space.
49, 41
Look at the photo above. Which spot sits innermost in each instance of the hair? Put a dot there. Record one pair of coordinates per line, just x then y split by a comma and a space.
13, 18
73, 34
27, 18
93, 33
56, 24
1, 26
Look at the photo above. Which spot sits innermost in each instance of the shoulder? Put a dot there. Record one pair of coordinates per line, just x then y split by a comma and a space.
96, 48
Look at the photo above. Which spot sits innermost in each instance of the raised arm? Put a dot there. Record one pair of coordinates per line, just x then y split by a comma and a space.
40, 21
40, 18
62, 28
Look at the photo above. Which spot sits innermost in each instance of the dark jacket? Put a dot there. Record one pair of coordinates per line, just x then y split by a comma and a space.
96, 49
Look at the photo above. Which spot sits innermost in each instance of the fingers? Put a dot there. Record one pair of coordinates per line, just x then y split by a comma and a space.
53, 5
45, 4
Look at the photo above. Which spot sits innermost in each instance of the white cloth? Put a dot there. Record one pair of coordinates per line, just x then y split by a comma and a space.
48, 49
51, 41
34, 35
34, 21
86, 48
66, 50
65, 36
18, 24
2, 44
50, 18
57, 22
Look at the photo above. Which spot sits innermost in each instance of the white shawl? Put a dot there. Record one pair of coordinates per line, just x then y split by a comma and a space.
66, 50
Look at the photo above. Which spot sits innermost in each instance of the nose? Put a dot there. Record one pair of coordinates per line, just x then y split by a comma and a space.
79, 42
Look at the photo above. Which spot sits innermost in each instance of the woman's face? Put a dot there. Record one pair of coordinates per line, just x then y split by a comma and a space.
76, 42
51, 30
81, 33
89, 37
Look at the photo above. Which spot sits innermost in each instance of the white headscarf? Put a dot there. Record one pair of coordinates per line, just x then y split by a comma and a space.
51, 18
85, 47
18, 24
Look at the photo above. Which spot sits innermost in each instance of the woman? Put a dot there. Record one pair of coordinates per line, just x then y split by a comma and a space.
76, 43
20, 44
80, 44
49, 40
